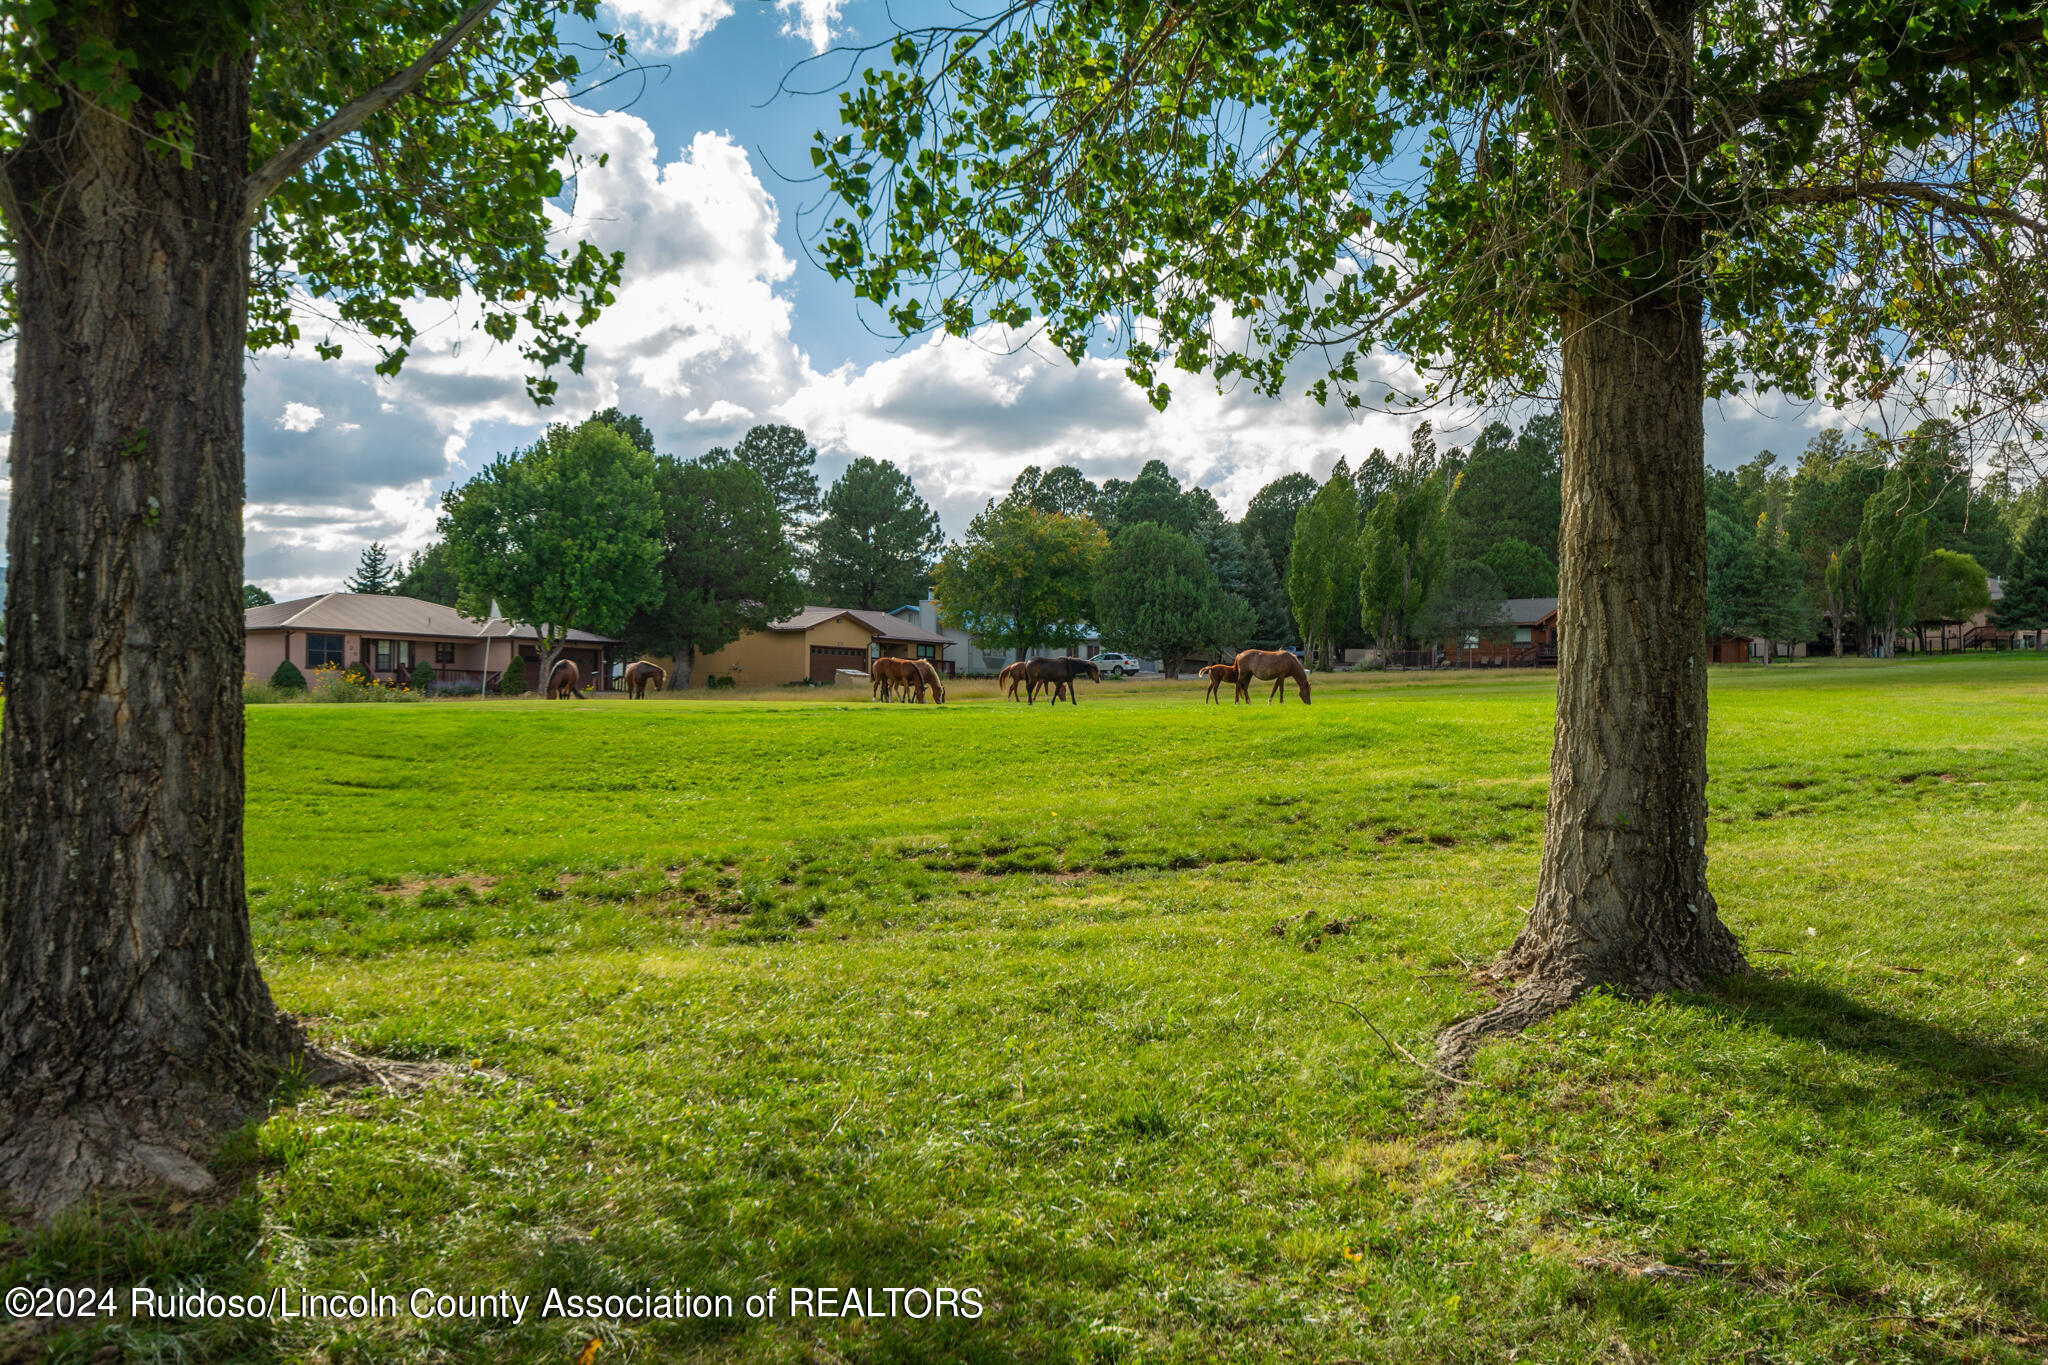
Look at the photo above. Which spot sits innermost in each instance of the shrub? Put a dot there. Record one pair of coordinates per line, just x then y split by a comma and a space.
288, 678
717, 680
514, 681
332, 684
258, 693
422, 676
358, 673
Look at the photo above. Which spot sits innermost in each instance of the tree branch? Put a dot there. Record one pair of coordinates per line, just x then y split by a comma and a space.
272, 174
1905, 189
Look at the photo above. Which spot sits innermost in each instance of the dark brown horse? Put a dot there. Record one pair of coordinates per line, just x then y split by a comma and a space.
566, 680
641, 676
1276, 664
1056, 674
891, 673
1219, 674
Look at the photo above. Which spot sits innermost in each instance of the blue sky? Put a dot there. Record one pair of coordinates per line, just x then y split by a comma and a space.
722, 322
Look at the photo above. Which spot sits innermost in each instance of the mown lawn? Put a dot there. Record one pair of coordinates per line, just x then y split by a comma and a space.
1083, 1008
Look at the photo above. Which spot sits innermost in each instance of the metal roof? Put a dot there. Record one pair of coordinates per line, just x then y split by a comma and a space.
385, 614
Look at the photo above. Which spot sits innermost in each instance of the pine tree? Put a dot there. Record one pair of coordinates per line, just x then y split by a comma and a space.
374, 573
2025, 585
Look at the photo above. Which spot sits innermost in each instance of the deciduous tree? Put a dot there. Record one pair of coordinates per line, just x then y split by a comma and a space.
1644, 202
1890, 550
2025, 585
430, 576
1021, 579
1953, 588
172, 176
560, 535
1403, 546
253, 596
1322, 565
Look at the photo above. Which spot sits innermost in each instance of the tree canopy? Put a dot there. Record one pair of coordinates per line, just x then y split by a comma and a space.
1157, 596
1021, 579
874, 545
561, 535
725, 563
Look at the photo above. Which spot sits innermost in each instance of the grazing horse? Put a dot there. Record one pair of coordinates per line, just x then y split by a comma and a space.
1275, 664
642, 675
932, 680
566, 680
1011, 678
1219, 674
1057, 673
891, 673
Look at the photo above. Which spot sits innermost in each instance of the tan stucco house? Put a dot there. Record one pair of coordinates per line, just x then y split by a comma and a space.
815, 644
390, 635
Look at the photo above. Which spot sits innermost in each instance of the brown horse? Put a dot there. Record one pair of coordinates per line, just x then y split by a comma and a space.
932, 680
891, 673
1219, 674
1278, 665
1057, 674
566, 680
642, 675
1011, 678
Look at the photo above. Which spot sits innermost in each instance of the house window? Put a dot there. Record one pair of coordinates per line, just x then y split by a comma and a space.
393, 654
323, 650
927, 651
444, 653
1521, 635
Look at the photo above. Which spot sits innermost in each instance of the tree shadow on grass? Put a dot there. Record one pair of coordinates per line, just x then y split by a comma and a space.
1965, 1115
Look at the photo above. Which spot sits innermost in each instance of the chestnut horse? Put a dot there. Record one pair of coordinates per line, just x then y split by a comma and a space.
1219, 674
891, 673
642, 675
1276, 664
1055, 674
932, 680
1011, 678
567, 679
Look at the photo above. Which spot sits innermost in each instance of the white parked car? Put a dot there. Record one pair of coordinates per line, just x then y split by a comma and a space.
1117, 665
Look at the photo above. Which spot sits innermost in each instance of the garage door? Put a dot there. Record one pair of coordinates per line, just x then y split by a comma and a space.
827, 660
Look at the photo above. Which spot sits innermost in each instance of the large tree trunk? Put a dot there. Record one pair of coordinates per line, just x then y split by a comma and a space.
1622, 895
134, 1024
685, 664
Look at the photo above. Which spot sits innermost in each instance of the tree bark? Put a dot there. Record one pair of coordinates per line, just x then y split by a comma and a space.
1622, 898
685, 663
135, 1026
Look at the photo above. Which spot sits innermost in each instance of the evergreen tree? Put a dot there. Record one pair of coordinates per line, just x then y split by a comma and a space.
2025, 585
1467, 606
1891, 548
1269, 518
1156, 595
725, 563
374, 573
1509, 488
875, 543
1155, 496
785, 461
253, 596
430, 576
1522, 569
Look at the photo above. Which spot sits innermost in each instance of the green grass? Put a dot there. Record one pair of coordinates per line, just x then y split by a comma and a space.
754, 992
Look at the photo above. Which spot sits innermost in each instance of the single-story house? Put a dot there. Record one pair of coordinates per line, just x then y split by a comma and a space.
1528, 641
975, 656
815, 644
389, 636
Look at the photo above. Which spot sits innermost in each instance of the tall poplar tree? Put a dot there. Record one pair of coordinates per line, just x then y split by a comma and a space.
171, 175
1637, 203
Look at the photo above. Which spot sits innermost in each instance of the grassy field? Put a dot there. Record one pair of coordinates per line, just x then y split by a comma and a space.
1084, 1009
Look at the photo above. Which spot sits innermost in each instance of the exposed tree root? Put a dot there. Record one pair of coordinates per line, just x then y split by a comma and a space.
59, 1148
1532, 1002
